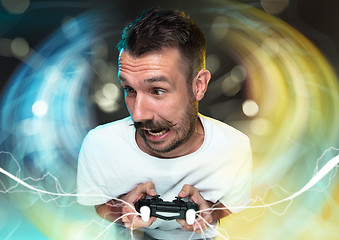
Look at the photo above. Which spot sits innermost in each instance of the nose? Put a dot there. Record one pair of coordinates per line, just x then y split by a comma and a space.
141, 111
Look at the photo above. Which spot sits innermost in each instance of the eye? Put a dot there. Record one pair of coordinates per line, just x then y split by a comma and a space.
158, 91
129, 90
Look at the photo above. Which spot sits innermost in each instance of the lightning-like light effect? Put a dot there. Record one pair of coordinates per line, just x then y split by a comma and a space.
292, 113
326, 169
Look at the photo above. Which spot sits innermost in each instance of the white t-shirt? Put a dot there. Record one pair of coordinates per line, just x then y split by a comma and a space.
112, 164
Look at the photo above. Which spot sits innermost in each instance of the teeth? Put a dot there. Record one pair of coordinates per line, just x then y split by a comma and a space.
157, 133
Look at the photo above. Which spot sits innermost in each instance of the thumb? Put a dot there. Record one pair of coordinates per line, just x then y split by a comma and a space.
150, 190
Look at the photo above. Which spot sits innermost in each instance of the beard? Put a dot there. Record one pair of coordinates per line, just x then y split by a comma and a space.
183, 129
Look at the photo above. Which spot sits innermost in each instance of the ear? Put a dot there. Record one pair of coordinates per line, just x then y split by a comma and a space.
200, 83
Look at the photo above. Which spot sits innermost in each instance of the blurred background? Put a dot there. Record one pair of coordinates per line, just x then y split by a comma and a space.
274, 66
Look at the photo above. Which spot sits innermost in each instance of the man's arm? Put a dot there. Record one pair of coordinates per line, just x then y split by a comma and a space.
210, 212
111, 211
219, 211
122, 210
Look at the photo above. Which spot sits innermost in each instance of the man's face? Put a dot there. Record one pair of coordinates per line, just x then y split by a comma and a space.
157, 98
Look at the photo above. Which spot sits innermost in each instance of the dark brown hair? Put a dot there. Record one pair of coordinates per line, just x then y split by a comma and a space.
159, 28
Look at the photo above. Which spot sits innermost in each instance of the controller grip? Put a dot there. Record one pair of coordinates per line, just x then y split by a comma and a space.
190, 216
145, 212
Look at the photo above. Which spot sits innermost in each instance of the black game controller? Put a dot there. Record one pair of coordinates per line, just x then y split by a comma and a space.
178, 209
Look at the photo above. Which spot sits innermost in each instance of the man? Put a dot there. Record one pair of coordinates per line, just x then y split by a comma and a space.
166, 147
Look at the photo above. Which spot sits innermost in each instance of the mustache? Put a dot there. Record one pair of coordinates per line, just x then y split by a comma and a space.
154, 126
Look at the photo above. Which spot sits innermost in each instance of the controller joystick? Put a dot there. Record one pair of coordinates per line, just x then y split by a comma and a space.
177, 209
145, 212
190, 216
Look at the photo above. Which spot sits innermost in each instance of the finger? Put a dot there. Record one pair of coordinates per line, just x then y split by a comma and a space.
189, 191
200, 226
186, 191
134, 224
149, 189
193, 193
207, 216
128, 208
206, 212
182, 222
128, 214
196, 197
188, 228
141, 191
198, 229
127, 225
151, 221
139, 223
125, 219
184, 225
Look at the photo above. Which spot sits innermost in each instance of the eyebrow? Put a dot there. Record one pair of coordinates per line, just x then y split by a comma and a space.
121, 78
157, 79
149, 80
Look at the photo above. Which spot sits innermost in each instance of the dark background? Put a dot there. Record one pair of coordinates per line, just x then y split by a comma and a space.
317, 20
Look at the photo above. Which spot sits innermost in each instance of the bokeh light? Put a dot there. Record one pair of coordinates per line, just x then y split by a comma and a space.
15, 6
274, 6
279, 90
250, 108
39, 108
19, 47
295, 101
212, 63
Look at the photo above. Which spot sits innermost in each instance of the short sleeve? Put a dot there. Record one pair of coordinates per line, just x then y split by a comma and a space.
240, 195
90, 185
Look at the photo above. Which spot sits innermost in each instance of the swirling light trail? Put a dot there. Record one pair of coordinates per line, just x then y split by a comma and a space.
292, 85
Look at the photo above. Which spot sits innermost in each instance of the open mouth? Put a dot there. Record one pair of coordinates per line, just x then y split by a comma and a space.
156, 133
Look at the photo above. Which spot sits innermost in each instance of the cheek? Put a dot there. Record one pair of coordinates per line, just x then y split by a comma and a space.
129, 104
173, 108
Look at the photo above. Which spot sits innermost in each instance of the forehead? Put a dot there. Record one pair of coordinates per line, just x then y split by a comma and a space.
164, 61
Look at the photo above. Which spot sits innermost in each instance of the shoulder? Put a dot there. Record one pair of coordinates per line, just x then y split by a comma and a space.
222, 131
116, 126
228, 144
110, 130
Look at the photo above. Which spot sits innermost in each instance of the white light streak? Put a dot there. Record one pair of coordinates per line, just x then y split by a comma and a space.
327, 168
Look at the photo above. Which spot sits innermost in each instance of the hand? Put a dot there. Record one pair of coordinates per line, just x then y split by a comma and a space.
200, 224
129, 217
